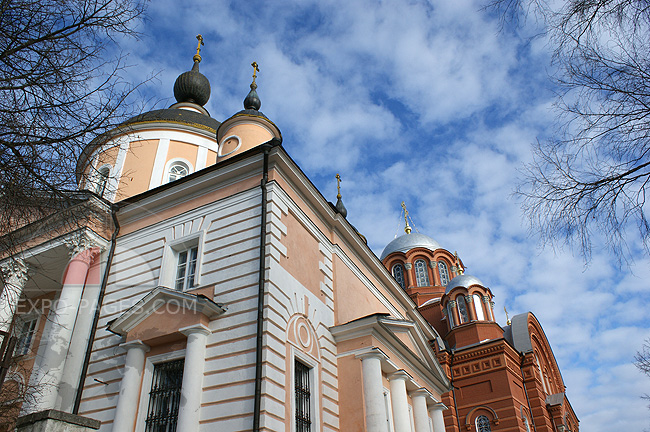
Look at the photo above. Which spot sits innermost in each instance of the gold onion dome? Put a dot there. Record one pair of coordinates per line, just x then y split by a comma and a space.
193, 86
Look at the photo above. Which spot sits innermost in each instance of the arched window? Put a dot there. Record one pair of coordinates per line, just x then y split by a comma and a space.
462, 309
548, 383
450, 315
177, 170
421, 274
102, 180
478, 307
443, 270
483, 424
526, 425
541, 375
398, 274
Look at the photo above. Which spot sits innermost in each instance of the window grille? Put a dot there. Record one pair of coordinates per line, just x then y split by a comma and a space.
177, 171
165, 397
398, 274
421, 273
186, 269
483, 424
303, 397
444, 273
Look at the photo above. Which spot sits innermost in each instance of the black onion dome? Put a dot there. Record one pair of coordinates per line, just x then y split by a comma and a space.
341, 208
192, 86
252, 101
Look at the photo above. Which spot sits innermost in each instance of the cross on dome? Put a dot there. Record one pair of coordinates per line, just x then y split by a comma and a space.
252, 101
197, 56
407, 227
339, 202
192, 86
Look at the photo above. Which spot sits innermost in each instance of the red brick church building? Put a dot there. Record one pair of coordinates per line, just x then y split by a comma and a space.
502, 378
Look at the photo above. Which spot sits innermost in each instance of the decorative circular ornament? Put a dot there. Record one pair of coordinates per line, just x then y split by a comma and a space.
304, 335
229, 145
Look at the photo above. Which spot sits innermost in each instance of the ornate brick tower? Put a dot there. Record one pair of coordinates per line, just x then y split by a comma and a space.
503, 378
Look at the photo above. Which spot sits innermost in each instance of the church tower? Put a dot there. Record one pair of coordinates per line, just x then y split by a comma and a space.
156, 147
248, 128
503, 378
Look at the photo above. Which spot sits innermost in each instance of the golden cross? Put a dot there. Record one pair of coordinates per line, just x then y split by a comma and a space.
338, 186
198, 48
197, 56
407, 228
458, 266
255, 70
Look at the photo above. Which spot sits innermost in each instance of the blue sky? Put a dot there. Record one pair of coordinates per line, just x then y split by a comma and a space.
429, 103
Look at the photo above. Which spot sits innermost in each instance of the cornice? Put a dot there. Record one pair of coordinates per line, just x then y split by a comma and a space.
480, 352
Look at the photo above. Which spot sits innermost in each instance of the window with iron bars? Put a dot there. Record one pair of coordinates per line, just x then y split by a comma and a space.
165, 397
303, 397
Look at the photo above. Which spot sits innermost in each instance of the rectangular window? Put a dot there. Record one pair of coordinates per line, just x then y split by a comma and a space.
26, 328
303, 396
186, 269
165, 396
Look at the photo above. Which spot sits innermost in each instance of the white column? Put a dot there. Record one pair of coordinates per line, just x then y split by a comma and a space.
192, 387
48, 376
420, 412
373, 391
435, 412
14, 274
399, 400
127, 402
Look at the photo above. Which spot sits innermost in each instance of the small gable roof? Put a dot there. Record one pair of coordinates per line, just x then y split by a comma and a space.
162, 297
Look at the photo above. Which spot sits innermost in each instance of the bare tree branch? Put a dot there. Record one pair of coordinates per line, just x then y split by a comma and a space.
60, 86
591, 176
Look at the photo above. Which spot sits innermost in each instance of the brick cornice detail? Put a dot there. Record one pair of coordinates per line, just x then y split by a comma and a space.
474, 353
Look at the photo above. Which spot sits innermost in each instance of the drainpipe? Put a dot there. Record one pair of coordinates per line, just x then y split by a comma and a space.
523, 381
453, 388
267, 146
100, 300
